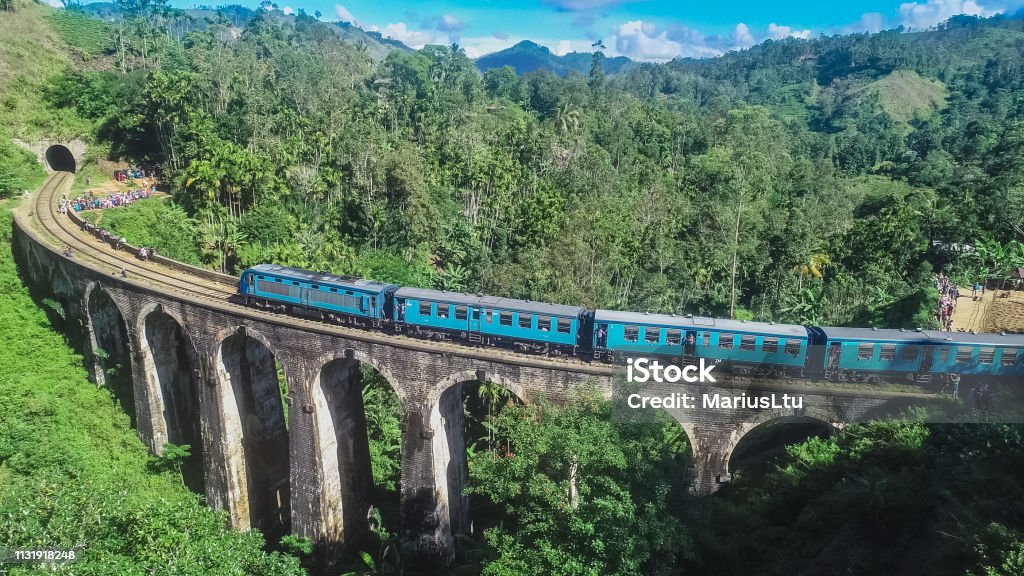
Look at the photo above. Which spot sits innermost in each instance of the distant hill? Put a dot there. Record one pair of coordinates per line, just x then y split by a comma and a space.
529, 56
377, 46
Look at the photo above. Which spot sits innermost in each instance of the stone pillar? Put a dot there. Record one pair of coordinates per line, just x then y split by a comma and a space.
340, 454
421, 498
451, 471
712, 445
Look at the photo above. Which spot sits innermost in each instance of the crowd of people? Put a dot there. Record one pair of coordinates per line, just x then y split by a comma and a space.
948, 295
90, 201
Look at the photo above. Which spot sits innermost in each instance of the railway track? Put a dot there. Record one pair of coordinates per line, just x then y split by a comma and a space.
218, 292
100, 256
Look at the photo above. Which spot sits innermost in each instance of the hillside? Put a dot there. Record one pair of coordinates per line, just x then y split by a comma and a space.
377, 47
529, 56
905, 94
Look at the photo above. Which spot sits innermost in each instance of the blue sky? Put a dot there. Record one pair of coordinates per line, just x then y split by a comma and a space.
648, 30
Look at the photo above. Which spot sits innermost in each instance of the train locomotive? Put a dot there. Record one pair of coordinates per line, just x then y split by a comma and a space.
747, 348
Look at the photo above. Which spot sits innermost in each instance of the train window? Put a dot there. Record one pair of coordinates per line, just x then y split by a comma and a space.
631, 333
888, 352
505, 318
986, 355
424, 308
315, 287
705, 338
963, 354
544, 323
943, 354
261, 277
748, 343
865, 351
443, 310
460, 312
564, 325
489, 316
295, 283
525, 320
770, 345
652, 335
909, 353
673, 337
335, 290
792, 348
1009, 357
725, 341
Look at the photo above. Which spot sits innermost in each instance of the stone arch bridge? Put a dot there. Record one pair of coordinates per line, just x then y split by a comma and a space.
203, 371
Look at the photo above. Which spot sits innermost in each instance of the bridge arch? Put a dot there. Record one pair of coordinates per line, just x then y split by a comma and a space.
254, 428
810, 422
342, 439
60, 159
447, 422
110, 346
170, 368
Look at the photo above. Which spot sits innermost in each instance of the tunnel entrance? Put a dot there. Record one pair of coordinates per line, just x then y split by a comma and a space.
60, 159
110, 348
256, 426
759, 449
168, 368
359, 427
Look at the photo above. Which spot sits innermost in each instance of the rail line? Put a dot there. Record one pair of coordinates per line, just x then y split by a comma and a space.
216, 291
208, 293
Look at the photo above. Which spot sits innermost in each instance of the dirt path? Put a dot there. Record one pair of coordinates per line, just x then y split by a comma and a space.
1006, 313
971, 314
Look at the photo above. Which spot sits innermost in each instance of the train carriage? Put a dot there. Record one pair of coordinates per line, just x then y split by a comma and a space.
746, 347
337, 298
925, 355
870, 354
999, 357
536, 327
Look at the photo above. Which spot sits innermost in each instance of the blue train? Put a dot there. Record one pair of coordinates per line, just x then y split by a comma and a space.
747, 348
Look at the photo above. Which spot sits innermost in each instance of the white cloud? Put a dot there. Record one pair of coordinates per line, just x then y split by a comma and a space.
415, 39
870, 22
919, 15
447, 23
287, 10
777, 32
742, 37
343, 14
641, 41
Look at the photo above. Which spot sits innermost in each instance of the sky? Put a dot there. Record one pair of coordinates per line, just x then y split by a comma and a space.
644, 30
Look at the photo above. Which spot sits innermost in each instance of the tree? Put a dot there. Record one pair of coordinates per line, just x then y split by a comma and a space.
577, 491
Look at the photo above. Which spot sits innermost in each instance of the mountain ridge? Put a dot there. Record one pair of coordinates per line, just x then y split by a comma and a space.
528, 56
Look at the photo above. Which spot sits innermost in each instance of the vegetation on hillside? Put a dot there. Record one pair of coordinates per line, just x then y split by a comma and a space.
74, 475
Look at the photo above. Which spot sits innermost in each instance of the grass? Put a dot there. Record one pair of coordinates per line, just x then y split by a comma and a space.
905, 94
86, 36
74, 474
31, 54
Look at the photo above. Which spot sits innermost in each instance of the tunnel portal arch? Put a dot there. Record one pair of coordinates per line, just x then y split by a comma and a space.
60, 159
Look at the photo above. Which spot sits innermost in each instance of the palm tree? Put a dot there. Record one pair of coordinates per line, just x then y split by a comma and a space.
567, 117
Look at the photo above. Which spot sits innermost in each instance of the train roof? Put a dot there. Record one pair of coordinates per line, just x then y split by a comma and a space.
321, 277
697, 322
495, 302
923, 336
